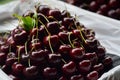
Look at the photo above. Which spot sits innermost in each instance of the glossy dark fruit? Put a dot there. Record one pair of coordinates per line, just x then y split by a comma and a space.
100, 51
30, 72
107, 62
10, 61
62, 78
14, 77
92, 57
38, 57
35, 44
94, 6
85, 66
54, 41
19, 36
55, 13
67, 22
55, 59
92, 75
50, 73
77, 53
63, 36
77, 77
44, 9
4, 48
69, 68
2, 58
17, 69
53, 27
99, 68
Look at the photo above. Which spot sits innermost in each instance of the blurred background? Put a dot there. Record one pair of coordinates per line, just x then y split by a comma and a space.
4, 1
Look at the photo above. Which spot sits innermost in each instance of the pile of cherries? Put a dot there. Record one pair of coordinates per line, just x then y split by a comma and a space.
58, 47
110, 8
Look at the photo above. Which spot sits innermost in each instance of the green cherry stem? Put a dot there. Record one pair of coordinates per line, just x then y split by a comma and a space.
45, 27
69, 34
26, 47
50, 44
18, 54
29, 62
45, 18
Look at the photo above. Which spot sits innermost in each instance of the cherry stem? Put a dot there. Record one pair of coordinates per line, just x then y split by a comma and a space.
9, 48
69, 34
45, 18
45, 27
61, 41
64, 61
18, 54
26, 47
29, 62
55, 19
50, 45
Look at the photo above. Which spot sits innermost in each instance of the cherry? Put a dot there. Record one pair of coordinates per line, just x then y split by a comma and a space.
92, 57
85, 66
53, 27
77, 77
14, 77
63, 36
4, 48
77, 53
64, 49
113, 3
6, 69
93, 6
65, 13
10, 61
2, 58
55, 59
100, 51
55, 13
19, 36
35, 44
77, 33
30, 72
62, 78
67, 22
99, 68
24, 58
28, 13
69, 68
17, 69
104, 8
71, 1
44, 9
92, 75
38, 57
50, 73
54, 41
100, 1
107, 62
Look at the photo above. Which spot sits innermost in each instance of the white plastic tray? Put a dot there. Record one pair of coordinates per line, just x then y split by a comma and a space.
107, 29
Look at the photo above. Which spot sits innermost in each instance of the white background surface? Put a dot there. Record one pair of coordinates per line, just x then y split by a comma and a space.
107, 30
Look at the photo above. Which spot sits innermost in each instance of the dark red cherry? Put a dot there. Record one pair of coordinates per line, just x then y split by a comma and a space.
31, 72
98, 67
28, 13
10, 61
65, 13
107, 62
38, 57
85, 66
69, 68
24, 58
64, 49
104, 8
77, 77
100, 1
55, 59
92, 75
63, 36
55, 13
92, 57
44, 9
54, 41
62, 78
100, 51
14, 77
112, 14
19, 36
77, 53
2, 58
4, 48
17, 69
35, 44
50, 73
113, 3
53, 27
94, 6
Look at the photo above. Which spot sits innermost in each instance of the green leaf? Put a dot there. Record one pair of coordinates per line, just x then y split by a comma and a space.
27, 22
